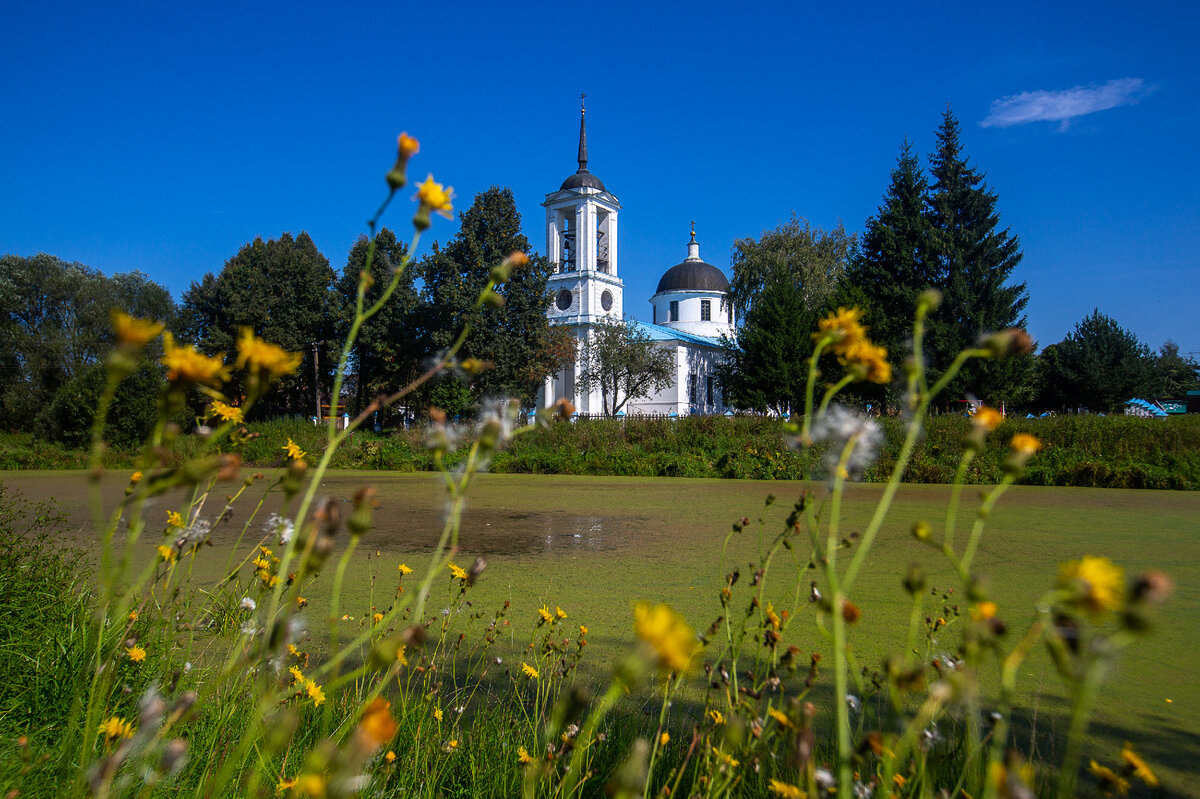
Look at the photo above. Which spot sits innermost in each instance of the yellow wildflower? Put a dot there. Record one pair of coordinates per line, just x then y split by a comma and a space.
523, 755
664, 739
264, 357
1096, 585
845, 326
135, 332
301, 602
116, 727
166, 553
779, 717
136, 653
987, 418
260, 563
174, 519
390, 756
228, 413
785, 789
984, 610
404, 569
456, 572
529, 671
1138, 766
400, 656
437, 713
559, 613
135, 478
452, 744
871, 358
1025, 444
772, 616
376, 618
133, 615
297, 675
406, 148
377, 724
310, 785
583, 630
668, 635
1109, 780
186, 365
716, 716
285, 784
728, 760
293, 651
435, 197
293, 450
314, 692
546, 615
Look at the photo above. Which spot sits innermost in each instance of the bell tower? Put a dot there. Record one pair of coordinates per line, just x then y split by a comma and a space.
581, 240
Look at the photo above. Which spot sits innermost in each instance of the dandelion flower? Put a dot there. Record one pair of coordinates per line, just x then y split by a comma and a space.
175, 519
377, 723
375, 619
1095, 585
984, 610
452, 744
314, 692
297, 675
456, 572
664, 739
293, 450
227, 413
529, 671
523, 755
264, 357
559, 613
780, 717
401, 658
133, 331
583, 630
186, 365
133, 615
669, 636
1025, 444
1110, 781
785, 789
390, 756
546, 615
1138, 766
844, 325
166, 553
136, 653
987, 418
116, 727
404, 569
135, 478
293, 651
285, 784
716, 716
433, 196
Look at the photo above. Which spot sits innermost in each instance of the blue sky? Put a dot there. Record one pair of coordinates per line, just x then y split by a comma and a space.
163, 137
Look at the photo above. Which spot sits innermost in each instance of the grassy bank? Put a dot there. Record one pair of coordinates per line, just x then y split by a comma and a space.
1085, 451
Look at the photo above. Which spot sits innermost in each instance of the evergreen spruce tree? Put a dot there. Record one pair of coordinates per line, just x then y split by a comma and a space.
894, 265
516, 337
972, 263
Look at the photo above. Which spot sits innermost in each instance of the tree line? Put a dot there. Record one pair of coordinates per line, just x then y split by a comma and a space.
939, 230
55, 328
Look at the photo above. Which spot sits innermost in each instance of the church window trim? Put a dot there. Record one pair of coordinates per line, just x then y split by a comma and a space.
705, 310
674, 307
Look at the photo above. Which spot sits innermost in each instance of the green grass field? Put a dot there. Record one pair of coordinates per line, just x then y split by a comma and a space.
595, 545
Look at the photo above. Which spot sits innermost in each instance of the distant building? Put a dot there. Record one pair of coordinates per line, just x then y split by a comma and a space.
691, 308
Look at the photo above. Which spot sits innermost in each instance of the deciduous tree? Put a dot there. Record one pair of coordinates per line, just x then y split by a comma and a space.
624, 364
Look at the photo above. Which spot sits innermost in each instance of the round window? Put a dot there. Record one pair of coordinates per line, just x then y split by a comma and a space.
606, 300
563, 300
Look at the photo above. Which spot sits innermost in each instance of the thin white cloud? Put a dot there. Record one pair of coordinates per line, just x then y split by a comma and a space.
1063, 106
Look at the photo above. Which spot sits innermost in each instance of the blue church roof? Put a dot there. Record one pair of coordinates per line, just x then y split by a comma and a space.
660, 333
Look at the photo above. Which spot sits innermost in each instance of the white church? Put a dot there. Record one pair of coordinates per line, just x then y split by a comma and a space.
691, 308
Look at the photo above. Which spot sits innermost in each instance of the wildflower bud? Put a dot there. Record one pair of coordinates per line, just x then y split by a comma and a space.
198, 470
328, 515
476, 569
293, 478
182, 707
922, 531
173, 756
564, 408
1013, 341
230, 464
914, 579
360, 520
850, 612
474, 366
493, 299
628, 671
501, 271
406, 148
1023, 447
366, 280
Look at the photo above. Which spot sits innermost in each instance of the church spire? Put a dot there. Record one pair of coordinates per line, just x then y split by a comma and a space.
693, 247
583, 158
